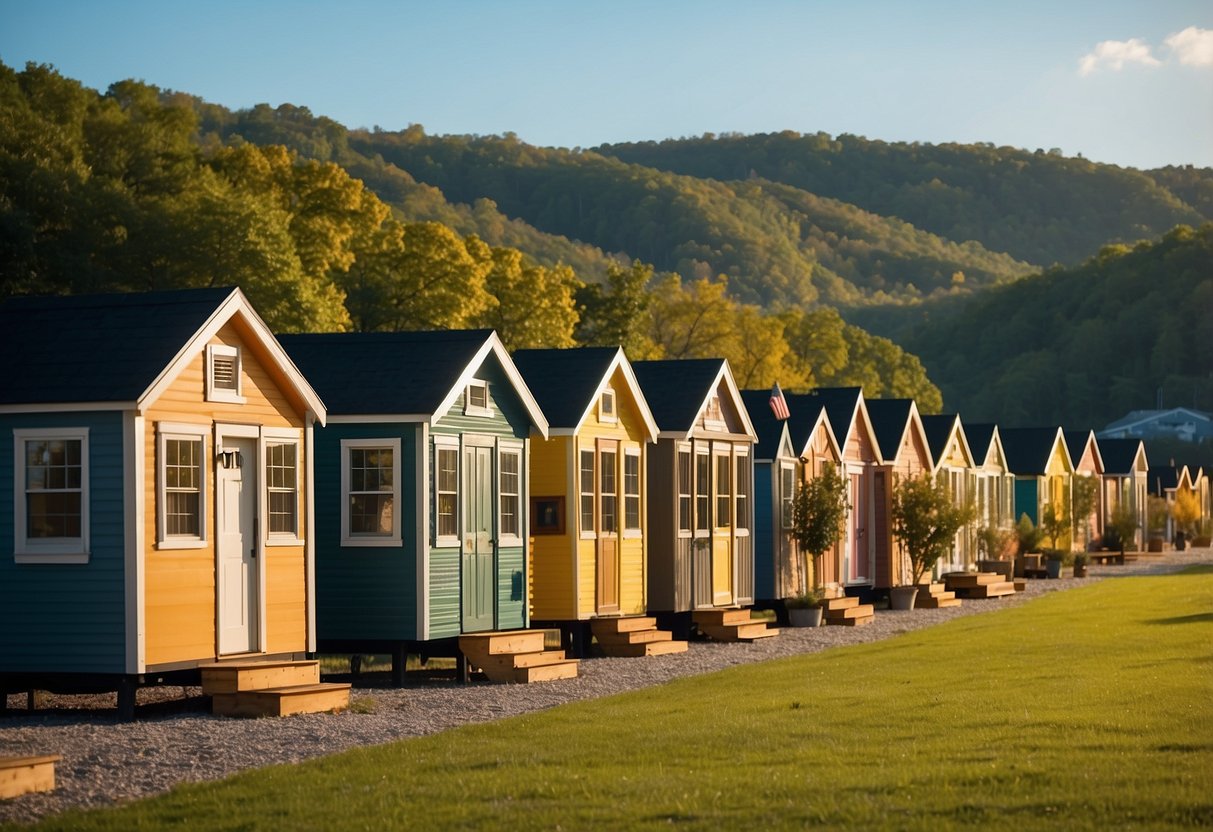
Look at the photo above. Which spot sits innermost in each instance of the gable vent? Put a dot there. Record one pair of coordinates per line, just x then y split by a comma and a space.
223, 372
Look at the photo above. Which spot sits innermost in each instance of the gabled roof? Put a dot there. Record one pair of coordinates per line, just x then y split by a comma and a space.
567, 383
1140, 417
940, 430
892, 419
842, 406
411, 374
678, 390
122, 350
808, 413
1028, 450
771, 431
1077, 442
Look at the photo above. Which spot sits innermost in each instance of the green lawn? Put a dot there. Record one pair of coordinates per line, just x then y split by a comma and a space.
1086, 709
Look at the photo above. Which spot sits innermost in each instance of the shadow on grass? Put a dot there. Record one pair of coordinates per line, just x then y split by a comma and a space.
1195, 618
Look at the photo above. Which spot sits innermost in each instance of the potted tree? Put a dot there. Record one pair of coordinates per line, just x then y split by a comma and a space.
818, 512
804, 610
995, 550
1121, 527
1084, 497
1185, 511
925, 520
1028, 541
1055, 523
1156, 523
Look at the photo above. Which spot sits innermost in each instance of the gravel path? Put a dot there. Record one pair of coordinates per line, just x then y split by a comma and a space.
106, 762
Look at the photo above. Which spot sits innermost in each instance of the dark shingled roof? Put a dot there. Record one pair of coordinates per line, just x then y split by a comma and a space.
676, 389
1161, 479
564, 381
96, 348
1119, 455
840, 404
805, 408
1076, 443
384, 372
1027, 449
938, 428
889, 418
768, 428
980, 435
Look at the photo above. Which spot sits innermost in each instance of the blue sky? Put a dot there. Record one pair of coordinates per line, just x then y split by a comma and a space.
1129, 83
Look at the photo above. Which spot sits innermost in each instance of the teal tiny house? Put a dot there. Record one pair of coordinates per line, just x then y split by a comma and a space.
779, 570
421, 488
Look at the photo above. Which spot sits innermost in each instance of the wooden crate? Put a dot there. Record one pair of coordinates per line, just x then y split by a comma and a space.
23, 775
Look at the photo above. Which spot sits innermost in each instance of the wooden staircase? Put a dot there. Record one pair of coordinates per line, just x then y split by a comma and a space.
979, 584
634, 636
23, 775
271, 688
516, 656
847, 612
731, 624
932, 596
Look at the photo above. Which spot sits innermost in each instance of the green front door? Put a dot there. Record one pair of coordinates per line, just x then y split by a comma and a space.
479, 540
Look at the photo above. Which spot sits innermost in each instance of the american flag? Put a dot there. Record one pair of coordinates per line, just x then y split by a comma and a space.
779, 405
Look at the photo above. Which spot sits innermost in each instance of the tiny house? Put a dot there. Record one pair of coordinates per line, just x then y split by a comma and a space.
904, 453
1126, 474
780, 570
954, 464
589, 489
816, 449
701, 474
1040, 461
1088, 462
994, 484
155, 491
422, 489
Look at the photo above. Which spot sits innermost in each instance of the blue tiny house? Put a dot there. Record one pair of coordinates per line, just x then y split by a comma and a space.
780, 571
421, 488
155, 491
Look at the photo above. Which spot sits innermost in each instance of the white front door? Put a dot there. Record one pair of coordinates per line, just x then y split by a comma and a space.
236, 519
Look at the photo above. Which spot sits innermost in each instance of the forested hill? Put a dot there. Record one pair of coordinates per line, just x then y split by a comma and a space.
1041, 207
1079, 346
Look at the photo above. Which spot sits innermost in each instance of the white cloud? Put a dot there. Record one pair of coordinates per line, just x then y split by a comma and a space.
1114, 54
1192, 46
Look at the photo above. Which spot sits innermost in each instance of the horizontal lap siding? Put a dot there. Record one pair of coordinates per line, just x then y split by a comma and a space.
511, 588
663, 527
67, 617
445, 607
552, 596
364, 592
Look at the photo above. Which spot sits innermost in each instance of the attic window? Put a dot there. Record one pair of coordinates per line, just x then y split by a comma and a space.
712, 415
223, 374
476, 399
606, 407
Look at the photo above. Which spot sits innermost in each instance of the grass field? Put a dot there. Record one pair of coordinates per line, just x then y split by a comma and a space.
1086, 709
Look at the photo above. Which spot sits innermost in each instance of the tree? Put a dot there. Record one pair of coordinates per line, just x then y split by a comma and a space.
818, 513
1123, 524
1084, 497
615, 313
1185, 511
534, 304
1055, 523
926, 520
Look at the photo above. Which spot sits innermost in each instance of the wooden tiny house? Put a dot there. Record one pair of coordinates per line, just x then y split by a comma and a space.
815, 447
1040, 461
701, 488
155, 491
1087, 461
954, 464
1126, 474
589, 489
780, 571
995, 484
904, 453
422, 489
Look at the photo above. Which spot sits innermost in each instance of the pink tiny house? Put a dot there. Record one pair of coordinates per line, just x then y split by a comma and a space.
904, 452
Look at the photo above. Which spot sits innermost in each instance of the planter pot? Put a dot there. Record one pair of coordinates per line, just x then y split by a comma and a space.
1201, 542
810, 617
1156, 544
1001, 567
902, 597
1080, 570
1053, 567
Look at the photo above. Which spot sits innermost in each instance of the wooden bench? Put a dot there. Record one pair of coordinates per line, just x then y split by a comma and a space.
1106, 558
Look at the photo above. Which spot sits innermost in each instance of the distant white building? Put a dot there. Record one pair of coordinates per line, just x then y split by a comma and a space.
1176, 423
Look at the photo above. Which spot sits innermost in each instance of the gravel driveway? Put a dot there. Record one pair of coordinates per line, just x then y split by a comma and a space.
106, 762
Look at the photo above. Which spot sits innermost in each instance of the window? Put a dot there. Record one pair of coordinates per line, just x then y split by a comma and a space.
606, 407
181, 482
547, 515
742, 463
511, 483
631, 490
608, 475
370, 485
724, 484
223, 377
476, 400
787, 496
446, 494
587, 492
684, 491
50, 492
282, 488
703, 491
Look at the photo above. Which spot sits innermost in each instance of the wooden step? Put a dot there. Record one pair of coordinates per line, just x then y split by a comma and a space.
635, 637
934, 602
992, 590
843, 603
648, 648
1021, 585
283, 701
563, 669
932, 588
23, 775
855, 621
968, 580
608, 626
720, 616
501, 641
746, 631
857, 611
501, 667
237, 676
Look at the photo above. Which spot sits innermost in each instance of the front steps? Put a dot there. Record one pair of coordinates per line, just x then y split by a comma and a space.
847, 612
23, 775
731, 625
933, 596
634, 636
516, 656
979, 584
271, 688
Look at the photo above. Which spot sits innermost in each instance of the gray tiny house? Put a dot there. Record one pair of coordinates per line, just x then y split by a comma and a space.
421, 489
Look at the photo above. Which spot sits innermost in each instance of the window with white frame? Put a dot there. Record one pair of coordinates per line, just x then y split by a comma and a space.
50, 495
609, 496
282, 488
370, 498
606, 406
787, 495
446, 491
742, 490
724, 492
181, 485
587, 492
631, 490
476, 400
703, 491
510, 469
684, 490
223, 376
